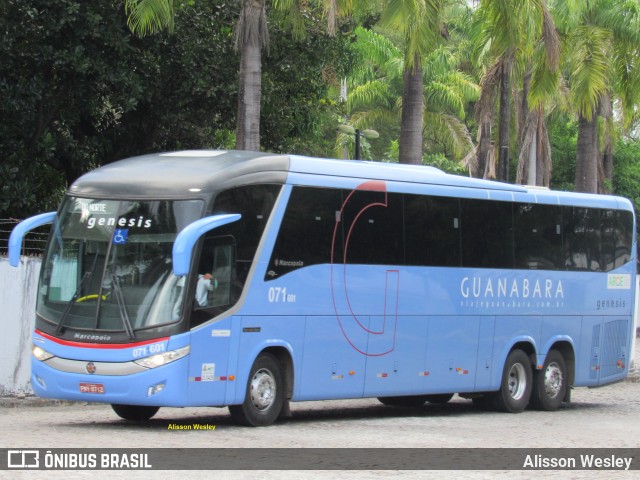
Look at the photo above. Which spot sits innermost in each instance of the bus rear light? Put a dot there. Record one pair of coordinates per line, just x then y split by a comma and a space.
40, 353
163, 358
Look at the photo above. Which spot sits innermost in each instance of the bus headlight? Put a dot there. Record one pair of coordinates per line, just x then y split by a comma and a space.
163, 358
40, 353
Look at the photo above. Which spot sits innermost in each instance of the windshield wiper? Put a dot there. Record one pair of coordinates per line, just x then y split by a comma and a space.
117, 290
72, 302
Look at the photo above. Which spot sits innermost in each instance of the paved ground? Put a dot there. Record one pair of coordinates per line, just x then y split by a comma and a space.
603, 418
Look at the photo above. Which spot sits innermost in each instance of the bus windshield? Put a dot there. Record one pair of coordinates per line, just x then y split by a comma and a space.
109, 265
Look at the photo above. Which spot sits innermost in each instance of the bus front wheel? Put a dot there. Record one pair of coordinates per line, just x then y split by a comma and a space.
516, 386
264, 397
135, 413
550, 383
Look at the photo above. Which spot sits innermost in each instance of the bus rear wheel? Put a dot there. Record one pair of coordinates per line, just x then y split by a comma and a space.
516, 386
264, 397
550, 383
135, 413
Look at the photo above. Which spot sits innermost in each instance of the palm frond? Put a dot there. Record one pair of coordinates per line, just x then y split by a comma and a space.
451, 131
590, 76
371, 94
442, 97
376, 48
375, 118
146, 17
252, 27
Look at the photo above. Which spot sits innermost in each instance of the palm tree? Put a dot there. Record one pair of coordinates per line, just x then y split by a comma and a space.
541, 93
602, 53
506, 33
419, 23
375, 99
251, 36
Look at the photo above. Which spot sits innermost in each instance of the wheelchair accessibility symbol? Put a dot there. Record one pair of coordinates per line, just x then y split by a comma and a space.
120, 236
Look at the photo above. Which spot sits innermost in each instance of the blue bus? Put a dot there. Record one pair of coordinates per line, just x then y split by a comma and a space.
249, 280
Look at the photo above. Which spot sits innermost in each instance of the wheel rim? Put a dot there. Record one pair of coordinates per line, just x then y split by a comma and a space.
263, 389
517, 381
553, 380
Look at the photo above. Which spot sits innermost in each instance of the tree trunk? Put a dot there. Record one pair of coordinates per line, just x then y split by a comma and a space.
587, 155
606, 110
411, 127
607, 163
250, 77
484, 149
504, 122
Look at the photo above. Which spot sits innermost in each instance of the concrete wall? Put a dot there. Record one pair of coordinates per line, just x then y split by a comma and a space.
17, 304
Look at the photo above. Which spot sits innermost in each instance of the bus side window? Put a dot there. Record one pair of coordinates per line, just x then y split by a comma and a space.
307, 230
538, 236
222, 268
582, 239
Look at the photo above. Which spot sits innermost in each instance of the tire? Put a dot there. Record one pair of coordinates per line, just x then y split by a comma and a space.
135, 413
516, 386
440, 399
550, 383
405, 401
264, 397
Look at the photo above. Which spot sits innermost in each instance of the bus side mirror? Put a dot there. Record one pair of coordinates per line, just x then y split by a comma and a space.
24, 227
187, 238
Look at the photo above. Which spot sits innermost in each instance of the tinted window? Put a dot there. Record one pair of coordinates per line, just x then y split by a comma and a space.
373, 228
487, 234
307, 230
432, 233
622, 237
538, 236
582, 239
381, 228
254, 203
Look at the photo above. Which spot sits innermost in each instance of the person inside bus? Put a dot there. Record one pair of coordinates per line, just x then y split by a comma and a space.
206, 284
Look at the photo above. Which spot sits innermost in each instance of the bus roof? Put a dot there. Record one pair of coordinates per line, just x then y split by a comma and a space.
195, 173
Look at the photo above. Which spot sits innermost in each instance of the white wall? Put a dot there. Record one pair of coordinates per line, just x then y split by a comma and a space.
17, 319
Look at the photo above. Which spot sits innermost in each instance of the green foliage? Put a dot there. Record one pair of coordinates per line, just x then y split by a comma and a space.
563, 136
298, 112
60, 94
443, 163
79, 90
626, 176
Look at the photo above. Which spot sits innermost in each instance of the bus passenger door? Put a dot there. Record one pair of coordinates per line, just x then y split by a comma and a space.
211, 293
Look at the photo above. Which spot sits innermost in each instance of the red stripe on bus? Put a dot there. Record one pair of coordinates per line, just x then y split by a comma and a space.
99, 345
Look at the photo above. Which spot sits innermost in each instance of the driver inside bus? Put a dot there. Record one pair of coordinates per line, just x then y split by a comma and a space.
206, 284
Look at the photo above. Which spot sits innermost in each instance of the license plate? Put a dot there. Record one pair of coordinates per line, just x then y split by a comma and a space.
91, 388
